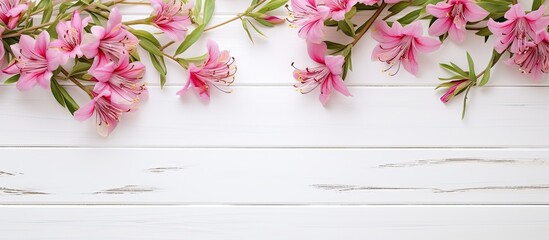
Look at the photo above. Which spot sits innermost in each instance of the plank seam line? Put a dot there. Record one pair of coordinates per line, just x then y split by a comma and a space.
275, 205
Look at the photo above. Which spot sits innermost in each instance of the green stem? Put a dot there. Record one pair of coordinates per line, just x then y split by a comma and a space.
369, 23
18, 33
239, 16
137, 22
167, 45
76, 82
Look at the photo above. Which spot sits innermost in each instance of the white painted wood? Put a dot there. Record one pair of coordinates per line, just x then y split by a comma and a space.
279, 116
273, 176
243, 223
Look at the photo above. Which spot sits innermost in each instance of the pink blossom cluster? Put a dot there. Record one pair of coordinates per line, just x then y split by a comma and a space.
526, 37
118, 82
523, 34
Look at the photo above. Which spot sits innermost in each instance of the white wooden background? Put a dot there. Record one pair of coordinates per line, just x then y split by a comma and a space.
266, 162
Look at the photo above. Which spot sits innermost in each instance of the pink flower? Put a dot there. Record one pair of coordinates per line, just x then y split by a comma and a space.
11, 11
399, 44
111, 43
328, 75
218, 70
534, 60
124, 80
2, 50
453, 90
272, 19
172, 17
70, 35
34, 60
453, 16
310, 16
518, 29
107, 113
338, 8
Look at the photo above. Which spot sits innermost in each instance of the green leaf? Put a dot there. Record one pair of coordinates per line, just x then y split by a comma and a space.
472, 74
330, 23
264, 22
410, 17
200, 58
536, 4
69, 101
144, 35
160, 66
55, 90
65, 6
444, 85
134, 56
209, 6
334, 45
190, 39
455, 77
257, 30
397, 8
12, 79
245, 27
159, 63
48, 10
272, 5
484, 32
196, 11
347, 65
455, 69
486, 75
363, 7
80, 67
465, 102
150, 47
346, 27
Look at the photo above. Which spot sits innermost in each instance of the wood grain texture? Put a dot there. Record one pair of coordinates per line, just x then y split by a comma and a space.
281, 117
274, 176
243, 223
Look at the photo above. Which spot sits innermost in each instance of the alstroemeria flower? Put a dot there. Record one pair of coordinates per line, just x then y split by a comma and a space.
11, 11
338, 8
107, 113
172, 17
111, 43
310, 16
70, 34
123, 79
272, 19
518, 29
399, 44
34, 60
534, 60
218, 71
327, 75
458, 86
453, 16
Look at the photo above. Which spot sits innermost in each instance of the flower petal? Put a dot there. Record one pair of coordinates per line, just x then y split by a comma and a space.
317, 51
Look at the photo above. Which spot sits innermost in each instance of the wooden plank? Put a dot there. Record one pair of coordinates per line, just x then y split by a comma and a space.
242, 223
281, 117
273, 176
